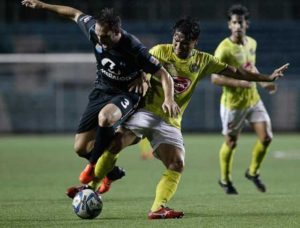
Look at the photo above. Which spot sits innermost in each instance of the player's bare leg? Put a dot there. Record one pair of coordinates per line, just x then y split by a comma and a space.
109, 115
84, 143
105, 170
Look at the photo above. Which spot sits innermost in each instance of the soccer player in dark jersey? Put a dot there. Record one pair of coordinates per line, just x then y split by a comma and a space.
188, 66
121, 61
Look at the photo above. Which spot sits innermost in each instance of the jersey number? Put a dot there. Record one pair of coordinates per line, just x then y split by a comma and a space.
125, 103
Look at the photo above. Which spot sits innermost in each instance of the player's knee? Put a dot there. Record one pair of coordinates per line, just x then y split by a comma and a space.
231, 144
80, 149
231, 141
176, 165
106, 119
267, 140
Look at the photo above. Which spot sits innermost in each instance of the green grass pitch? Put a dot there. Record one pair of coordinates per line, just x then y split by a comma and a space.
36, 170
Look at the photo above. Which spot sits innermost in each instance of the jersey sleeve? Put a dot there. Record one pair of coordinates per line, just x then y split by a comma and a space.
154, 50
254, 45
148, 62
221, 53
213, 65
159, 52
87, 24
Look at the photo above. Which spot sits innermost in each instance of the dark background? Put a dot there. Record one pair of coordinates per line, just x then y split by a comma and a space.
43, 96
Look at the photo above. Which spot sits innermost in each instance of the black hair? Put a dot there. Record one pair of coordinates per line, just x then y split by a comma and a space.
238, 9
107, 16
189, 27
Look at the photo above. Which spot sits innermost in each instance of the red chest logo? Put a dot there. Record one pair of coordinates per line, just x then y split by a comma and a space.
248, 66
181, 84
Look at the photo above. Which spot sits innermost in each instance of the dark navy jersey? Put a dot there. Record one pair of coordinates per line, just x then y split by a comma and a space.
120, 65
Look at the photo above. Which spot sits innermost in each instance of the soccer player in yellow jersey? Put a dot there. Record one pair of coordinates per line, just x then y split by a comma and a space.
240, 101
187, 67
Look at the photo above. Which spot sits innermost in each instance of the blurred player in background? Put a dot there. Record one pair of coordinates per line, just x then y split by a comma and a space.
121, 61
240, 102
187, 67
145, 149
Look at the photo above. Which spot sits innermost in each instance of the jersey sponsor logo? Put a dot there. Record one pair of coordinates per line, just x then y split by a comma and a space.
125, 103
110, 70
248, 66
194, 67
110, 65
115, 77
181, 84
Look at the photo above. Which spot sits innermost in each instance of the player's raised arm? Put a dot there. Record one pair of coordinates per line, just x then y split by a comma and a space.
64, 11
242, 74
169, 104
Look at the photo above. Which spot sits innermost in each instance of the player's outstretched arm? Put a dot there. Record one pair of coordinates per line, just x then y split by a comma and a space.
231, 82
239, 73
64, 11
169, 105
271, 87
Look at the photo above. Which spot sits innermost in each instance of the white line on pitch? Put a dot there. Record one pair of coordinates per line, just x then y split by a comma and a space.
286, 154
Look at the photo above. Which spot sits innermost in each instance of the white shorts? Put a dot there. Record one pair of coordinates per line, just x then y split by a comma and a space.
146, 124
233, 121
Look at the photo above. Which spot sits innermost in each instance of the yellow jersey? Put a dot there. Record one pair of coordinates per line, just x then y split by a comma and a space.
185, 73
238, 56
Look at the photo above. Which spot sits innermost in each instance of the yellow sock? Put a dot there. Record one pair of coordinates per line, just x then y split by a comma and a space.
145, 146
166, 188
226, 160
258, 154
103, 166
